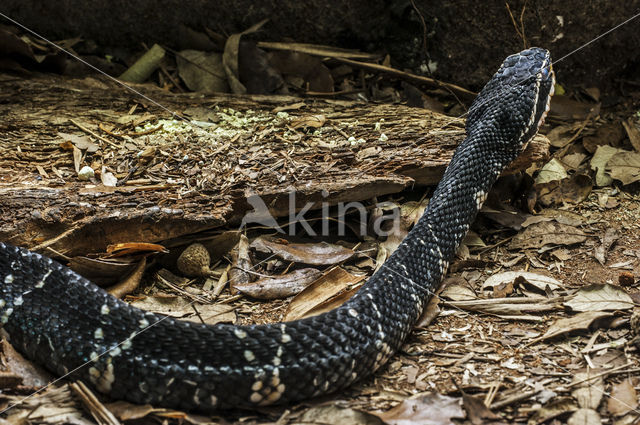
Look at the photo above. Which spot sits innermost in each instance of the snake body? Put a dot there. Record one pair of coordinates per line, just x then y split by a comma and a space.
66, 323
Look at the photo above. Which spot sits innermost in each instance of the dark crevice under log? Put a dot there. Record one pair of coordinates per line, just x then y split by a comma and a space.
197, 180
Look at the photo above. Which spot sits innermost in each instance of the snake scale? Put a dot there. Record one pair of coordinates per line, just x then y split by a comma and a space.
66, 323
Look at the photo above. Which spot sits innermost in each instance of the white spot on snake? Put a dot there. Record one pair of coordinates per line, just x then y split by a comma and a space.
280, 351
354, 376
353, 313
378, 357
143, 323
94, 374
273, 396
115, 352
94, 356
40, 283
5, 315
422, 242
480, 197
8, 279
315, 381
325, 386
196, 396
2, 303
126, 344
240, 333
98, 334
18, 301
404, 267
277, 361
209, 369
257, 386
248, 354
143, 387
104, 309
275, 378
255, 398
213, 400
286, 338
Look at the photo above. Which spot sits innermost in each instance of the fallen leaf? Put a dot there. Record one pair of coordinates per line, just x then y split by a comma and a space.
624, 166
600, 297
632, 132
317, 254
424, 409
551, 171
536, 280
581, 321
599, 164
589, 389
313, 121
336, 414
547, 233
610, 236
554, 409
180, 308
623, 398
329, 285
277, 287
572, 190
477, 412
585, 417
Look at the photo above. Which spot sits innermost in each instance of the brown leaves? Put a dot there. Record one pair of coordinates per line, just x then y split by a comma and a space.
424, 409
313, 253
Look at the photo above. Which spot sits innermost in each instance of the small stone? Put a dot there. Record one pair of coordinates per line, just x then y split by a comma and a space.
86, 173
194, 261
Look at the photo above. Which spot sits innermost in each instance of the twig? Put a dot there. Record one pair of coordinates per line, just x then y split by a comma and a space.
514, 398
97, 136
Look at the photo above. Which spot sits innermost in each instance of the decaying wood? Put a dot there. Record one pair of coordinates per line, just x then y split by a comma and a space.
177, 183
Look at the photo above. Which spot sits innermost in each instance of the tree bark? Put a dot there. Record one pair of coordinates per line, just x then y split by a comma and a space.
175, 183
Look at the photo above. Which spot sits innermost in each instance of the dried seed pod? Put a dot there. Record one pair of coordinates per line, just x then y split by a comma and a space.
194, 261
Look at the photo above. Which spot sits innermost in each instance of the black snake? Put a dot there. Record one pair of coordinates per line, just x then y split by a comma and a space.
68, 324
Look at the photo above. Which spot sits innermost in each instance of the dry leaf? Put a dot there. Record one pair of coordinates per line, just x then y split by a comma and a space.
585, 417
313, 121
276, 287
323, 289
590, 389
424, 409
623, 398
624, 166
317, 254
599, 164
335, 414
547, 233
600, 297
180, 308
539, 281
551, 171
610, 236
580, 321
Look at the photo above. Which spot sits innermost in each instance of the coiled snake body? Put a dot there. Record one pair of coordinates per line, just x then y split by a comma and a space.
63, 321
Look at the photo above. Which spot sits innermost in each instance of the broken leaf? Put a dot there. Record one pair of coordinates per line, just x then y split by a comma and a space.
600, 297
277, 287
329, 285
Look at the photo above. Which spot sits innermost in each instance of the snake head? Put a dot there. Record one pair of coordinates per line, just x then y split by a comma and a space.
514, 103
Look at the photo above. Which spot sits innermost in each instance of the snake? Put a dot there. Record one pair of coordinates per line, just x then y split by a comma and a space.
75, 329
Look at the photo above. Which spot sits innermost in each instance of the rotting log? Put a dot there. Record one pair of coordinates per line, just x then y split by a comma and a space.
183, 182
